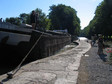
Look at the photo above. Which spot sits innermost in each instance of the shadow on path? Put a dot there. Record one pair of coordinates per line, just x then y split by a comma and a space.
103, 57
4, 80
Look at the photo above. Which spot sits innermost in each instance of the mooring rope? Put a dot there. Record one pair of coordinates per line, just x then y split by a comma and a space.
12, 73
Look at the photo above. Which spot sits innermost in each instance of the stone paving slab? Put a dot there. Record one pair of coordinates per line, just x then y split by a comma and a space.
58, 69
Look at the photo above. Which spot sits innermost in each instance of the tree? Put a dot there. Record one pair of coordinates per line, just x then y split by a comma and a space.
44, 22
13, 20
103, 17
102, 21
25, 18
64, 17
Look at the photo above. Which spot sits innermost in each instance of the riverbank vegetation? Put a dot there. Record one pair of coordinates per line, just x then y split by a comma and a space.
108, 51
102, 21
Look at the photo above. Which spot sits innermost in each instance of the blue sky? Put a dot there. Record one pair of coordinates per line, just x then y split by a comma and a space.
13, 8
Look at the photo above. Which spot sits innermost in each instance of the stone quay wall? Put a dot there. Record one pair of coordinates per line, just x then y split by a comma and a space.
7, 25
47, 45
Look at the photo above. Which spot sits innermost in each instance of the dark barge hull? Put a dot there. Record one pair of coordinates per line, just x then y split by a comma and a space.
16, 43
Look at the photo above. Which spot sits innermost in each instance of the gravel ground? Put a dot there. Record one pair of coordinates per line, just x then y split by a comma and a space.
95, 69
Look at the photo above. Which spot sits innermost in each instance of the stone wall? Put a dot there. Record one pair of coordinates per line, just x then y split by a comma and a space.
50, 42
47, 45
18, 46
7, 25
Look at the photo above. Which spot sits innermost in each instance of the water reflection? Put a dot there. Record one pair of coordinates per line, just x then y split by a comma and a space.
82, 38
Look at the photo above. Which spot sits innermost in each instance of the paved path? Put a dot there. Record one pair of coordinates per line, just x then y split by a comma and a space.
94, 69
58, 69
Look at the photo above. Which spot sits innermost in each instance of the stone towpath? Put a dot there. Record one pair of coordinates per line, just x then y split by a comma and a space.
57, 69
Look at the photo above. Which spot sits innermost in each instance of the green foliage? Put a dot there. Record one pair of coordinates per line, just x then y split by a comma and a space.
48, 24
44, 22
110, 57
102, 21
13, 20
25, 18
64, 17
60, 17
85, 32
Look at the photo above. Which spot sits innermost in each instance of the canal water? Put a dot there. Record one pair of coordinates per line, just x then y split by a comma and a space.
82, 38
